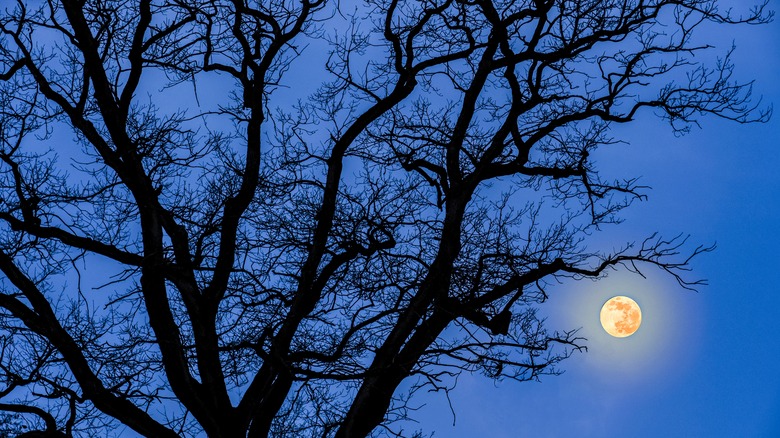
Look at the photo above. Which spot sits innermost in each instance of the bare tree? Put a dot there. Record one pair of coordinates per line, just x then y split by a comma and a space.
191, 241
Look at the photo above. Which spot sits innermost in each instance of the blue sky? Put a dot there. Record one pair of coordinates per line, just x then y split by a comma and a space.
704, 364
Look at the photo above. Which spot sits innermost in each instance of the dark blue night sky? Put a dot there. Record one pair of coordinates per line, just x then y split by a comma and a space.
704, 363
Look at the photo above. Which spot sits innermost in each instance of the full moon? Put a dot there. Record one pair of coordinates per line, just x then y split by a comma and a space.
621, 316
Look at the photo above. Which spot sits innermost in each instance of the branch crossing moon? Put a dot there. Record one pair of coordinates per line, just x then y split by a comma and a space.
621, 316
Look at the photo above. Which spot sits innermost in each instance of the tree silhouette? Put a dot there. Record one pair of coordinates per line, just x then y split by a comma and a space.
194, 239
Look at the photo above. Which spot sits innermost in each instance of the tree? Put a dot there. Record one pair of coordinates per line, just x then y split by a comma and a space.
193, 242
11, 425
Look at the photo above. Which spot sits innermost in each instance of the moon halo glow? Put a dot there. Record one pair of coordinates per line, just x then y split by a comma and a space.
621, 316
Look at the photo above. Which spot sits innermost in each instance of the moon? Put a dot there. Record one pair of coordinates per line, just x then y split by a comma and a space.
621, 316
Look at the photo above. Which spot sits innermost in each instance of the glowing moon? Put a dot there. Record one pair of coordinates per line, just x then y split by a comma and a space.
621, 316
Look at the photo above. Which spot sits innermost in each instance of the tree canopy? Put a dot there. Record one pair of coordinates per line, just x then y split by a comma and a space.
284, 217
